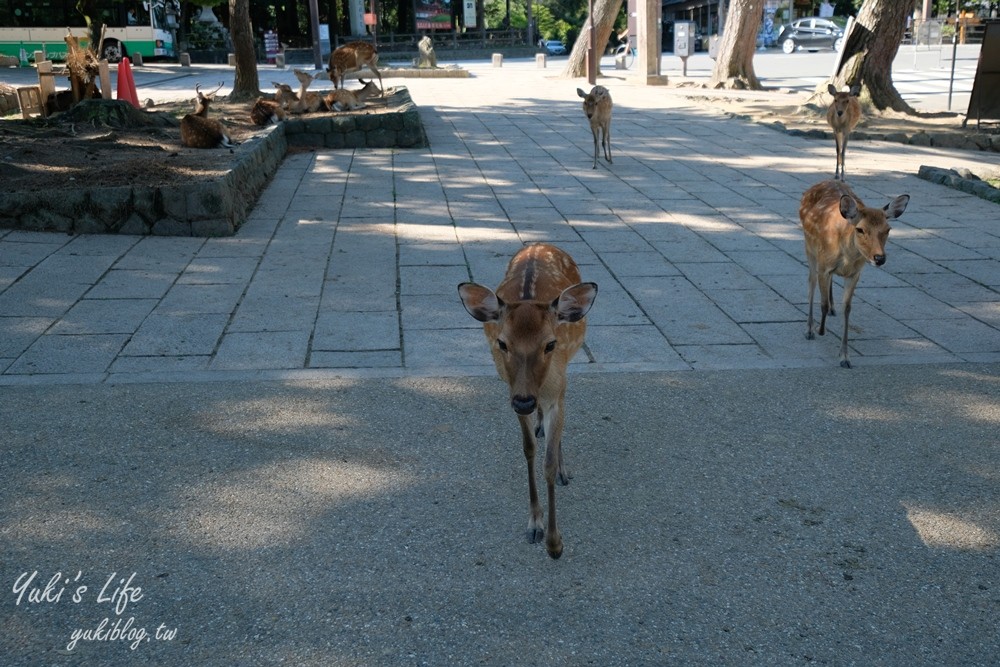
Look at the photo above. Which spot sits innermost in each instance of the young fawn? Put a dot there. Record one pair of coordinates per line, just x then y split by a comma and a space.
843, 116
351, 100
597, 106
350, 57
200, 131
534, 323
842, 235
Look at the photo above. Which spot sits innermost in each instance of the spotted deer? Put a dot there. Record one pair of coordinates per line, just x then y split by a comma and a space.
534, 324
200, 131
351, 100
597, 105
842, 235
351, 57
843, 116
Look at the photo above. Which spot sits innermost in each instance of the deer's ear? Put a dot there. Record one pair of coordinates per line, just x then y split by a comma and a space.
848, 207
480, 301
579, 91
574, 302
895, 208
830, 89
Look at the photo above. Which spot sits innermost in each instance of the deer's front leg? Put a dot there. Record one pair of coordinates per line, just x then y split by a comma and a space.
555, 472
851, 283
536, 531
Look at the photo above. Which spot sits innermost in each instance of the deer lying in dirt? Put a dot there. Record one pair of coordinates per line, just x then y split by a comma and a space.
842, 235
351, 100
265, 112
597, 106
535, 323
350, 57
200, 131
843, 116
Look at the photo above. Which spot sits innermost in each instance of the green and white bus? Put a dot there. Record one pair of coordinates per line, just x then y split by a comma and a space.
133, 26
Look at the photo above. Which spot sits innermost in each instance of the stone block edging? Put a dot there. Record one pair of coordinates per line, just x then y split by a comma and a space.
960, 179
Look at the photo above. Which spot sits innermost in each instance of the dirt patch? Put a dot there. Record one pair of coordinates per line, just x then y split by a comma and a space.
120, 147
791, 112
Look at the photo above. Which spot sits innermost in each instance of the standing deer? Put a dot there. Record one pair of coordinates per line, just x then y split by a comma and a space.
350, 100
200, 131
843, 116
842, 235
350, 57
534, 323
597, 106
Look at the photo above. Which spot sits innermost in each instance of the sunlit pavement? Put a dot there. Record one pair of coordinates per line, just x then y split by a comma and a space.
349, 262
290, 447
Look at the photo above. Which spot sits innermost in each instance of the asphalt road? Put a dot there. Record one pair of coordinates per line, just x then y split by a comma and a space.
769, 517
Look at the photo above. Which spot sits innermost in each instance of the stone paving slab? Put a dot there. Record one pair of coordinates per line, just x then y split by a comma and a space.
351, 257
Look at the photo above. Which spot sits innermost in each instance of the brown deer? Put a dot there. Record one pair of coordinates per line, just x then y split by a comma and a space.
350, 100
265, 112
843, 116
350, 57
597, 106
311, 102
200, 131
534, 323
842, 235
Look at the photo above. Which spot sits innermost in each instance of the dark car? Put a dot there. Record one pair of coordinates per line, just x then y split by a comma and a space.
811, 34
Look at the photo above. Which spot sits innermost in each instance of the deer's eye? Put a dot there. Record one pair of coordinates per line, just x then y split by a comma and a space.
859, 231
551, 346
502, 345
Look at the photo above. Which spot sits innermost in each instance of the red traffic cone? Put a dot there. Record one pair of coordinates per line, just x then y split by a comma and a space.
126, 84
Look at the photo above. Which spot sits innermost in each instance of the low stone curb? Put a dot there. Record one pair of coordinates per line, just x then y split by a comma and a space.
973, 142
960, 179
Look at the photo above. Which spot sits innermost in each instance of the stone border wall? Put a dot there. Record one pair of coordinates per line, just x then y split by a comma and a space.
400, 128
217, 207
960, 179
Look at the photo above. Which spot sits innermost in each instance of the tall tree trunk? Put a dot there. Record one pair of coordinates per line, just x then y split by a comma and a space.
605, 12
246, 85
734, 60
868, 54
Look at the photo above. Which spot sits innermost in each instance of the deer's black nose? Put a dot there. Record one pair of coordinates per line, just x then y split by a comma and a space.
523, 405
879, 260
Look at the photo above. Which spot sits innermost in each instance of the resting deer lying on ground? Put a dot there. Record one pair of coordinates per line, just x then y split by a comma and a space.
843, 116
534, 323
597, 106
312, 102
350, 57
351, 100
301, 102
842, 235
200, 131
265, 112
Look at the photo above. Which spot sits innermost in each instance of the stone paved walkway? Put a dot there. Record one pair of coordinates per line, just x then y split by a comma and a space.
349, 262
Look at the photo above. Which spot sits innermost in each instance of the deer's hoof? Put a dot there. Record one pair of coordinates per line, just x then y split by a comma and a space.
844, 363
535, 535
562, 478
554, 547
810, 335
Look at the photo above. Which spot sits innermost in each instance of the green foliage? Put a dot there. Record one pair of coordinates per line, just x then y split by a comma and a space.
496, 12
